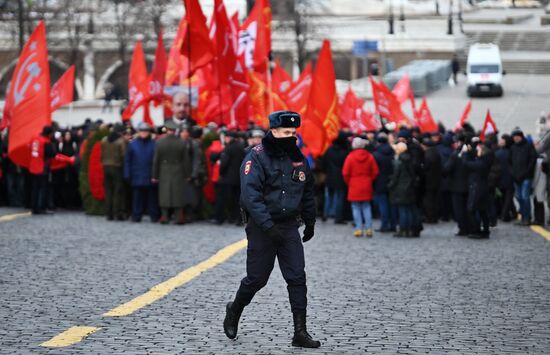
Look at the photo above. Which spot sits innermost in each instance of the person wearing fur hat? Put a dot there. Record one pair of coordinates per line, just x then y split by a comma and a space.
402, 189
359, 171
277, 189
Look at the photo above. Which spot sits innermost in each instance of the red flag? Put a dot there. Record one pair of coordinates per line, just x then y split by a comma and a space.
258, 97
255, 36
403, 91
63, 90
464, 117
424, 118
156, 78
280, 79
223, 43
354, 116
239, 91
138, 86
298, 94
29, 96
196, 46
322, 119
488, 127
387, 105
177, 66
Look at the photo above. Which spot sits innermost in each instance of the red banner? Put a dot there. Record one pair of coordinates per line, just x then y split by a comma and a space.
28, 98
62, 91
322, 119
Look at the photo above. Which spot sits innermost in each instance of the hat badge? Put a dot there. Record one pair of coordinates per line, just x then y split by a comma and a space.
292, 119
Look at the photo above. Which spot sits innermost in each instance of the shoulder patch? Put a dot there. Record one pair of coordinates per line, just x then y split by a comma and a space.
247, 167
259, 148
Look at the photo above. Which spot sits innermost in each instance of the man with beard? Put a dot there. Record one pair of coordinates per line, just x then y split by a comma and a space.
276, 190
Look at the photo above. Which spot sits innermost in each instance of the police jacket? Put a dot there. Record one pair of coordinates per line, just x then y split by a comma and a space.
276, 185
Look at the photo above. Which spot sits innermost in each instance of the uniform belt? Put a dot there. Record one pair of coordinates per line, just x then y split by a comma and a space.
285, 219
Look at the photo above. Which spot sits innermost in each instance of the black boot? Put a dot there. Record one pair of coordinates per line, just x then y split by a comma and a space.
301, 337
231, 322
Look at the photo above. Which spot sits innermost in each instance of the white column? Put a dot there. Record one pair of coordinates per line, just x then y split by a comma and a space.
89, 71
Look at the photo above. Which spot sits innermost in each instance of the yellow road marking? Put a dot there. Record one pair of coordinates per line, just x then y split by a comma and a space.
541, 231
164, 288
11, 217
69, 337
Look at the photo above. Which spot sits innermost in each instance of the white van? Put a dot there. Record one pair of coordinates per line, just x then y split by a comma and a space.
484, 70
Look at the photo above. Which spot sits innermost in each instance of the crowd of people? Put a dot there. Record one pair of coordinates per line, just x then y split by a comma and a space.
181, 172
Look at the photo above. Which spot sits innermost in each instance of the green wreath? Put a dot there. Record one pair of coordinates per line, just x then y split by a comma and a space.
90, 204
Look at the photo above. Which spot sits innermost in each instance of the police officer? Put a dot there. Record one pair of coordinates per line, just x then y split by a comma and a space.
276, 191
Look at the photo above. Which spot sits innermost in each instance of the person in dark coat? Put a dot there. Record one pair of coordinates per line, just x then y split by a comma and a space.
113, 148
335, 187
445, 149
228, 186
402, 189
505, 184
138, 167
432, 182
277, 191
458, 175
383, 154
171, 167
523, 158
417, 161
477, 160
190, 194
67, 177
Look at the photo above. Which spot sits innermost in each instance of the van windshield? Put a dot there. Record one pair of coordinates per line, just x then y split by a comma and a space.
483, 68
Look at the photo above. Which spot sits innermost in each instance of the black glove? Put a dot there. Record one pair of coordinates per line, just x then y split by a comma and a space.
274, 233
308, 232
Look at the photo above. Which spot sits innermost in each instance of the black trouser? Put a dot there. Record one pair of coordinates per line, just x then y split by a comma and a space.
39, 194
460, 200
507, 209
114, 193
538, 212
445, 205
431, 202
145, 197
260, 259
227, 195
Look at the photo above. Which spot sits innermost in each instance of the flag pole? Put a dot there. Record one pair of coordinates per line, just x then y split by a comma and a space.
190, 73
269, 90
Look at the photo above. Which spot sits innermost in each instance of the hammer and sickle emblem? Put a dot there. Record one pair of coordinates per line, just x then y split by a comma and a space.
34, 71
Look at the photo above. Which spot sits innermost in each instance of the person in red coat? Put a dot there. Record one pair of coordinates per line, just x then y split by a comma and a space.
359, 171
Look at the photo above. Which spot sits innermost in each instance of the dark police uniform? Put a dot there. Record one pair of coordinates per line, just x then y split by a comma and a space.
276, 196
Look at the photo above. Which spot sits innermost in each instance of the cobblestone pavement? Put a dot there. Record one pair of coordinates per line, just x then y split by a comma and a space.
437, 294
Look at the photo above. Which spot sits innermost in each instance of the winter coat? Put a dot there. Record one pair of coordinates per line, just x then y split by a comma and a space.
502, 157
402, 182
138, 162
445, 150
113, 148
230, 162
172, 168
478, 179
457, 173
522, 160
359, 171
333, 162
384, 159
432, 169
